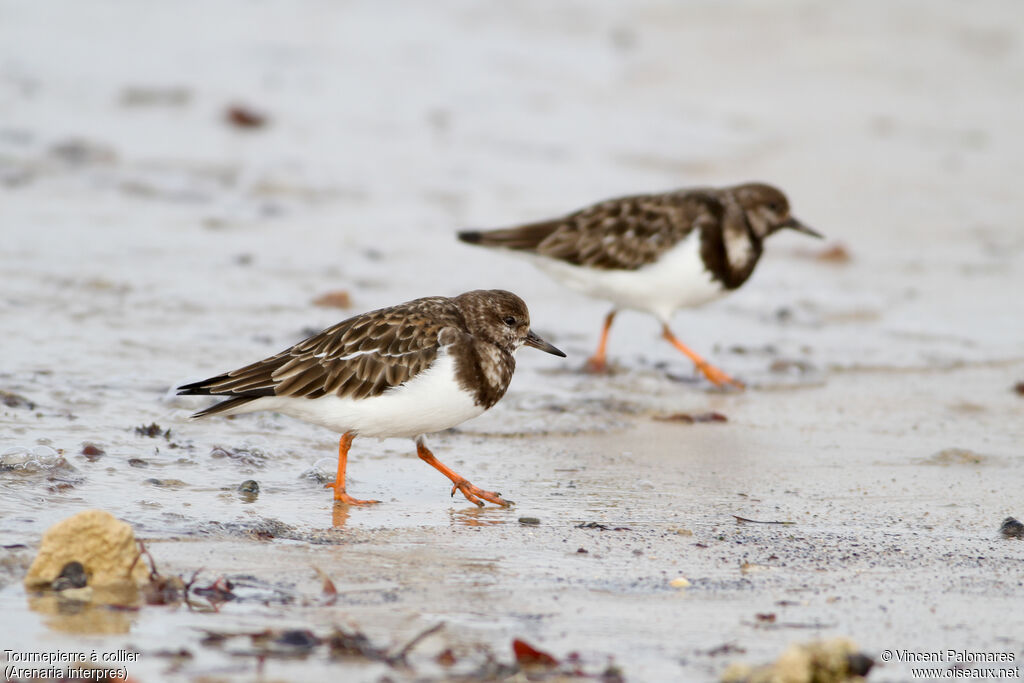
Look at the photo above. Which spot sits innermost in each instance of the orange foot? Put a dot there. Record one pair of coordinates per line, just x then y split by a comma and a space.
718, 377
342, 497
596, 366
474, 493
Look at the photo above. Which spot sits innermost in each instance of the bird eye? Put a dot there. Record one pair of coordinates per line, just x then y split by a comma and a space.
510, 321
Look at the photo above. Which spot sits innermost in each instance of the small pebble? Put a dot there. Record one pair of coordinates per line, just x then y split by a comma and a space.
71, 576
250, 486
530, 521
679, 582
1011, 528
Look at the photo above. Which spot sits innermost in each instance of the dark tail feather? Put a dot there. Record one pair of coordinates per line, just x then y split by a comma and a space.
197, 388
203, 389
223, 406
523, 238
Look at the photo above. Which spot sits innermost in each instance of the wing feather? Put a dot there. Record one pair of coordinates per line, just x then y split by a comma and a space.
359, 357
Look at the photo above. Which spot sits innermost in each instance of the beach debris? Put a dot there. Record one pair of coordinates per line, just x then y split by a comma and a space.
955, 456
242, 116
446, 658
1019, 388
1011, 528
250, 487
338, 298
826, 661
160, 589
601, 527
104, 546
152, 430
343, 643
155, 96
689, 419
13, 400
529, 521
530, 657
680, 582
329, 590
837, 254
92, 452
220, 591
744, 520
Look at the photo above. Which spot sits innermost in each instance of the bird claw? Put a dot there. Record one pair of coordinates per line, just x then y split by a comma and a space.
341, 497
474, 494
718, 377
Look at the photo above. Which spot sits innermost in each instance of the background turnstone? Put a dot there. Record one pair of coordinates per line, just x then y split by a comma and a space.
655, 253
404, 371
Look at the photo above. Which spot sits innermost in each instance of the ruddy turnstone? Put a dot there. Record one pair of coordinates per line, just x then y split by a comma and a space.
655, 253
404, 371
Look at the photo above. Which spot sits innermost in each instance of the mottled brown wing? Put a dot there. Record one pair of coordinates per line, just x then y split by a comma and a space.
359, 357
618, 234
629, 232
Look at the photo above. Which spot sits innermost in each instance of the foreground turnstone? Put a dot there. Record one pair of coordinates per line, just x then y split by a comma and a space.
655, 253
404, 371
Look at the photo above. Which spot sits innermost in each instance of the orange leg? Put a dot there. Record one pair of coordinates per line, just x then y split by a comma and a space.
339, 481
597, 362
472, 493
713, 374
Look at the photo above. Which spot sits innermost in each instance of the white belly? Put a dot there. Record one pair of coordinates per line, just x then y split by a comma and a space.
430, 402
677, 280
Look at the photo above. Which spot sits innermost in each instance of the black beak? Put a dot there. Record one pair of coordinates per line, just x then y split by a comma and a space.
794, 224
536, 342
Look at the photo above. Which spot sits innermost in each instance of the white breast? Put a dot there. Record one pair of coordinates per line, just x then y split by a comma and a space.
429, 402
676, 280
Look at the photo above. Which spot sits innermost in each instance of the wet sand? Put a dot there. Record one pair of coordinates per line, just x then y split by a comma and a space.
147, 243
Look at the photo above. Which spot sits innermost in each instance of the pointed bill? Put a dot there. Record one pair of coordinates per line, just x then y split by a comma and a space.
536, 342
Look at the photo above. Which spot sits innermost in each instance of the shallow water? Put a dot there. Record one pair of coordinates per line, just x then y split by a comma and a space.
147, 244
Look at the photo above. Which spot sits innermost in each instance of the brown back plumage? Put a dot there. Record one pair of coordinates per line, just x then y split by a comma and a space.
360, 357
624, 233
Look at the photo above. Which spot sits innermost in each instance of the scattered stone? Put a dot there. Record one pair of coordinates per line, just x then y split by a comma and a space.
1019, 388
80, 152
336, 299
12, 400
831, 661
680, 582
447, 658
529, 521
71, 576
1011, 528
92, 452
166, 483
250, 487
687, 418
252, 457
241, 116
101, 543
137, 462
582, 551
